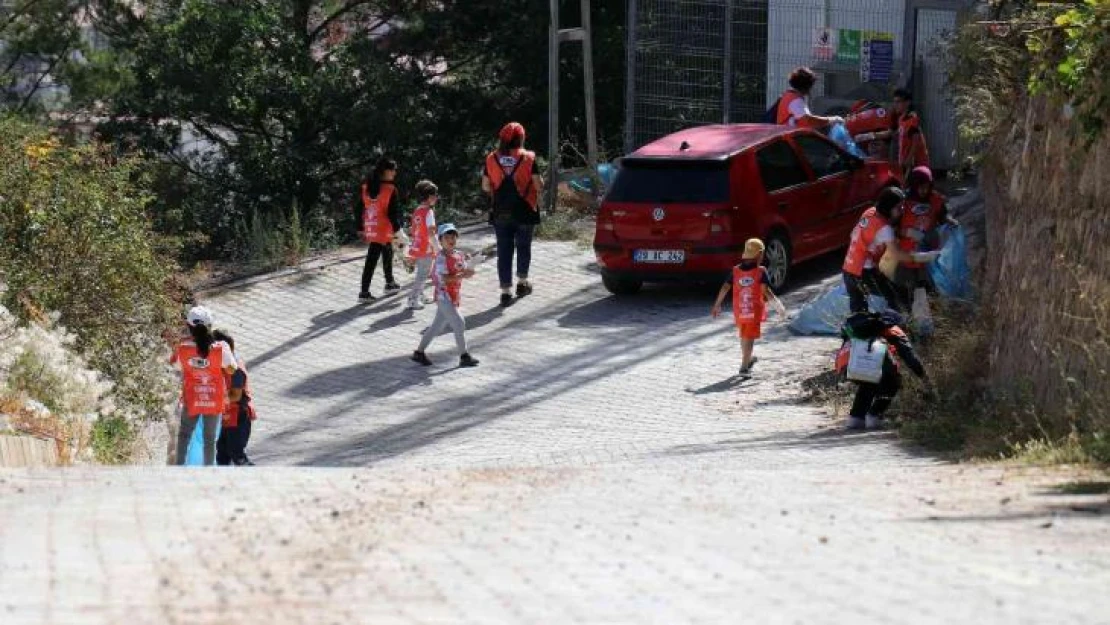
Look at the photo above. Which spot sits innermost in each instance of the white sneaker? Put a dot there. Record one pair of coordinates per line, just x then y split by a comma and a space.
873, 422
854, 423
415, 305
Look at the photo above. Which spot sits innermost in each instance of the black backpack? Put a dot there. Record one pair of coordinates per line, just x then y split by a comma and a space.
771, 115
509, 204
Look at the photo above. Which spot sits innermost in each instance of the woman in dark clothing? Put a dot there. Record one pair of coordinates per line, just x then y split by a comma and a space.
378, 215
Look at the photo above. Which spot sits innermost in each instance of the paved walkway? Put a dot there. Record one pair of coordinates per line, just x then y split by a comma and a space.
602, 465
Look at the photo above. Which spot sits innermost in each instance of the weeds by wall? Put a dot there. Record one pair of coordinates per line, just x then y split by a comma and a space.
1030, 84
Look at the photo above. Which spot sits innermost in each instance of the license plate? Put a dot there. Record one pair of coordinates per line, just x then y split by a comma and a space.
659, 256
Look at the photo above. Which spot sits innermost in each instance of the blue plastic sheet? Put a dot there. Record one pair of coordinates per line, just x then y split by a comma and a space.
195, 455
827, 312
839, 133
951, 272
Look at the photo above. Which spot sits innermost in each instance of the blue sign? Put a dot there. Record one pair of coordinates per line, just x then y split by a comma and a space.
877, 60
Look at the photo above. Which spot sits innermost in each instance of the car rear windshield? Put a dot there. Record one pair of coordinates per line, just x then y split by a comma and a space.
670, 182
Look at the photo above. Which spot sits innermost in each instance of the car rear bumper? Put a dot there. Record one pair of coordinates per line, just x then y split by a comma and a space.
703, 262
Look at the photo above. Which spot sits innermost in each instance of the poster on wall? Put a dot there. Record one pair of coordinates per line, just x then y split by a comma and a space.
824, 43
876, 59
847, 46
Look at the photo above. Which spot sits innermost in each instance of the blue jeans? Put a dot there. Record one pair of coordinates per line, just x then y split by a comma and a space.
510, 237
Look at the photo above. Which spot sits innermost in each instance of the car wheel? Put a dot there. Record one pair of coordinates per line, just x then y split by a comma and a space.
621, 286
776, 257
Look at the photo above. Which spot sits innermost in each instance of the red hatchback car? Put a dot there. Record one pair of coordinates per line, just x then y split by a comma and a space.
681, 207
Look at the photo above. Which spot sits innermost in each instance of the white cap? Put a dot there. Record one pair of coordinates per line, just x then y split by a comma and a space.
199, 316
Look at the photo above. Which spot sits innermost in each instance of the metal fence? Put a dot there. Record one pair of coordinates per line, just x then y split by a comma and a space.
712, 61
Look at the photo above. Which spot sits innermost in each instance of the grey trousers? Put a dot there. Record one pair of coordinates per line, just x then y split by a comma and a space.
423, 270
447, 315
185, 432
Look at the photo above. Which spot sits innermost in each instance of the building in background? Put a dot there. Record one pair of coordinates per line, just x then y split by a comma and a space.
711, 61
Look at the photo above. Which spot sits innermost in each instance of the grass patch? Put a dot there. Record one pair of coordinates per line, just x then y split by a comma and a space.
972, 420
113, 440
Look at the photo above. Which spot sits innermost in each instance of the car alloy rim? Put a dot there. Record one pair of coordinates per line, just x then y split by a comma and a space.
776, 262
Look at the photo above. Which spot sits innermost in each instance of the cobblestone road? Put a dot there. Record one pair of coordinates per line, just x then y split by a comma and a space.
602, 465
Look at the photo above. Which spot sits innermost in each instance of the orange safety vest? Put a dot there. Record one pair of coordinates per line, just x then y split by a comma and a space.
911, 153
205, 383
456, 264
375, 214
862, 237
521, 173
748, 305
783, 116
231, 415
421, 246
918, 219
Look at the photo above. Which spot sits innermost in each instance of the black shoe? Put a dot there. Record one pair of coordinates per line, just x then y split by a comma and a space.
365, 297
243, 462
466, 360
421, 357
392, 287
506, 299
523, 288
748, 369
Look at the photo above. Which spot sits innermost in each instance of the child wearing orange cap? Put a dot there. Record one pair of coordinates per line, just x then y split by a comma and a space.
751, 291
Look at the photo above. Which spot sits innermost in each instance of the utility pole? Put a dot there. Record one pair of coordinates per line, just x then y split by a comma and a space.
553, 108
556, 37
726, 101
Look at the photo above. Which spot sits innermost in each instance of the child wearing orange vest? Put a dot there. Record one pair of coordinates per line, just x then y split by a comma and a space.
751, 290
378, 218
425, 245
231, 448
204, 363
449, 271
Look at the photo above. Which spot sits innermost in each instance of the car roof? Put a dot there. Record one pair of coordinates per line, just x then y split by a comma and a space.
715, 142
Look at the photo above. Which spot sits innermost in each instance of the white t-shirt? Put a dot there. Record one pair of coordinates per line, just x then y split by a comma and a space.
884, 237
798, 109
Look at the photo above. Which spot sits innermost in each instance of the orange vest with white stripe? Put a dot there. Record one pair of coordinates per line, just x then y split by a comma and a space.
455, 264
204, 381
862, 236
231, 415
918, 219
375, 214
748, 305
521, 174
911, 153
783, 115
421, 246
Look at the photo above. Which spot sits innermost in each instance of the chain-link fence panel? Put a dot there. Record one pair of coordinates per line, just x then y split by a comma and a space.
683, 53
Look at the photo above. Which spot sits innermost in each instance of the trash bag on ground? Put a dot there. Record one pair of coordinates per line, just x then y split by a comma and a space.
839, 133
585, 184
195, 454
827, 312
951, 272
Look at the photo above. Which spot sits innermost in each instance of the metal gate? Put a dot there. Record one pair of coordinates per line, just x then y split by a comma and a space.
711, 61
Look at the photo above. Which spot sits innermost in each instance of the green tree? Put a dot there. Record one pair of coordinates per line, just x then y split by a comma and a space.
75, 240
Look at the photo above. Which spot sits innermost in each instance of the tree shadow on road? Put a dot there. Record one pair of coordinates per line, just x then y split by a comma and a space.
325, 323
439, 417
830, 438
